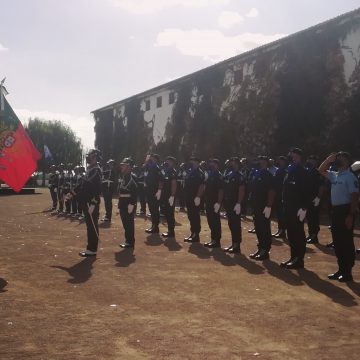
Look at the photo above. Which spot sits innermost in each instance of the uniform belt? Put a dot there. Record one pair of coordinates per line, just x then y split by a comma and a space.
125, 195
107, 181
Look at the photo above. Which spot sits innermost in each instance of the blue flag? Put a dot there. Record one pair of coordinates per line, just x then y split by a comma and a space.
48, 157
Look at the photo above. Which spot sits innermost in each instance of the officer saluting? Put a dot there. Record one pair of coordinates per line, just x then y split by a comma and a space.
107, 187
262, 197
128, 192
295, 200
214, 195
168, 195
88, 195
344, 201
234, 192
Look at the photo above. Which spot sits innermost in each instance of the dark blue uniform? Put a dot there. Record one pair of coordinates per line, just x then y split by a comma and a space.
53, 183
193, 180
128, 192
232, 181
88, 194
262, 184
295, 197
153, 178
169, 210
214, 183
279, 208
107, 188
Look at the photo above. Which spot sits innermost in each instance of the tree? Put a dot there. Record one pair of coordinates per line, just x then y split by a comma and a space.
64, 145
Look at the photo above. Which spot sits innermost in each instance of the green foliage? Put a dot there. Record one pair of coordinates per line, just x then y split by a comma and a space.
62, 142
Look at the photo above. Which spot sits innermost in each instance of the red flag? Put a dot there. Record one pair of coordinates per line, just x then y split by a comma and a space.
18, 155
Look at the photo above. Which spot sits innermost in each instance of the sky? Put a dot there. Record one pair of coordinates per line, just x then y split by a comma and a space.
64, 59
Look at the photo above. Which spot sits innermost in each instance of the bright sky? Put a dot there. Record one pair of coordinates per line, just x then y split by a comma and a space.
63, 59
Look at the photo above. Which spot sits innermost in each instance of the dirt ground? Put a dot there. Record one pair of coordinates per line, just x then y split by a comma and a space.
165, 300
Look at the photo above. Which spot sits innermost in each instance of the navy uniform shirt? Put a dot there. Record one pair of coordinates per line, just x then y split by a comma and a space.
315, 181
343, 184
194, 178
89, 188
152, 178
296, 192
169, 176
214, 182
128, 189
108, 179
262, 183
232, 181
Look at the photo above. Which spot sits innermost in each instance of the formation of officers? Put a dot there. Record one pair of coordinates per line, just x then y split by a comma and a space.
292, 190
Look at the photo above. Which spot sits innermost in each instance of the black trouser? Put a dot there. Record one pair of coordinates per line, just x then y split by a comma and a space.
142, 198
262, 228
127, 220
169, 212
214, 222
343, 238
234, 222
312, 217
53, 195
245, 202
92, 227
74, 206
296, 233
279, 210
153, 204
193, 213
180, 195
107, 195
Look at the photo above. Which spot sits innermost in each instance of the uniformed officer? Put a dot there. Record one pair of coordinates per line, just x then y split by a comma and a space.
80, 213
139, 172
67, 187
88, 195
53, 182
355, 167
180, 188
248, 181
234, 192
296, 199
344, 201
194, 189
60, 187
245, 173
317, 189
153, 185
279, 177
262, 198
128, 188
74, 183
168, 195
214, 195
108, 184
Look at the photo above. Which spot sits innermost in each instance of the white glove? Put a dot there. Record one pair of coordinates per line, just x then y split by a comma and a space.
68, 196
171, 200
130, 208
158, 195
197, 201
55, 190
267, 212
91, 209
216, 208
301, 214
237, 209
316, 201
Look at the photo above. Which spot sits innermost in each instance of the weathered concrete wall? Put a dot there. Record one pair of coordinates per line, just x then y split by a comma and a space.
303, 90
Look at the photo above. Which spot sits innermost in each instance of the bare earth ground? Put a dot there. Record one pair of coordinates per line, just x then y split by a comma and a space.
173, 301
